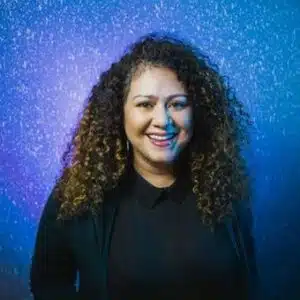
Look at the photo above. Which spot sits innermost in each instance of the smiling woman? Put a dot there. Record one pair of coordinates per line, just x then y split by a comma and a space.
153, 199
157, 132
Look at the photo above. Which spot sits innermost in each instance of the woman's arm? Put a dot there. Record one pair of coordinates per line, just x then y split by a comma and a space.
244, 221
53, 271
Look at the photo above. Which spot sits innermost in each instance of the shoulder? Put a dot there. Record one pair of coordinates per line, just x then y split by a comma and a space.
51, 207
243, 212
243, 227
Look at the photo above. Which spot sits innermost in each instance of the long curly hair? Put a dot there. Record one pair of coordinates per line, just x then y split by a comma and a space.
97, 158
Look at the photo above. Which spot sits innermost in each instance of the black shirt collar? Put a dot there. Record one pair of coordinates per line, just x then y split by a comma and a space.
149, 196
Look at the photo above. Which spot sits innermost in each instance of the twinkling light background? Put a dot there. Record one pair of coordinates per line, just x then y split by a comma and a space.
52, 52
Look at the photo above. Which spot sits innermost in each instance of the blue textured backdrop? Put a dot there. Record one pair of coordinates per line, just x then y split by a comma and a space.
52, 52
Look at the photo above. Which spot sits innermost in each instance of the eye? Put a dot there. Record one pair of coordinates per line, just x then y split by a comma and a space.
144, 104
179, 105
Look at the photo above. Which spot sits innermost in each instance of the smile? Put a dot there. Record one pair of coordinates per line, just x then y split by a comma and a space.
163, 141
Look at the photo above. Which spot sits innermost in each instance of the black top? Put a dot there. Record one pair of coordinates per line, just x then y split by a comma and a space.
145, 243
161, 250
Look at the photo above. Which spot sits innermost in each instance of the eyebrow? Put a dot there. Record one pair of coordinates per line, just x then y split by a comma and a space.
153, 96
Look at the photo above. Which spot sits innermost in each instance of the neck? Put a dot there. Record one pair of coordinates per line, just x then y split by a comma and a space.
158, 175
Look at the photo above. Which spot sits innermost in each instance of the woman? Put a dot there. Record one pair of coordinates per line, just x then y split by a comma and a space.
152, 202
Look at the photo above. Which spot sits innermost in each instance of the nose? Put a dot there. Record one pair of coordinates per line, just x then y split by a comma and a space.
161, 116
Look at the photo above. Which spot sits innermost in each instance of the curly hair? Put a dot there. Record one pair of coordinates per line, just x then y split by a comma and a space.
96, 157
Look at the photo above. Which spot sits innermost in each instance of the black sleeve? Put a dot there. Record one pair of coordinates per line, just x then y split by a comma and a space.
53, 271
244, 218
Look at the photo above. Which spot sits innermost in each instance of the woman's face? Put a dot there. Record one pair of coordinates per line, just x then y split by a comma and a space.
157, 116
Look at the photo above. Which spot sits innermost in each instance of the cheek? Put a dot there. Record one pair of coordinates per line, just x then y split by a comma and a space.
186, 129
134, 124
185, 121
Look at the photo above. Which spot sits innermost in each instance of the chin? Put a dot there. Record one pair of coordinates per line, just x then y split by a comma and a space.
164, 159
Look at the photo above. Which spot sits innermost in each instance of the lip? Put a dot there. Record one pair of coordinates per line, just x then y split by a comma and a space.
163, 134
164, 144
168, 136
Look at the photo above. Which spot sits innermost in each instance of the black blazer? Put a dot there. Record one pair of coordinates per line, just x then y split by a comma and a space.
83, 242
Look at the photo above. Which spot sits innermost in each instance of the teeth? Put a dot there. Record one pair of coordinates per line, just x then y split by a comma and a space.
161, 138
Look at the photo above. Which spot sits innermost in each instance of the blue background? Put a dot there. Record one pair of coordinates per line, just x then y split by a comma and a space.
52, 52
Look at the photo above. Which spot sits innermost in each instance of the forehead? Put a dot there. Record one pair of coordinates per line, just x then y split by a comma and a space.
156, 80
